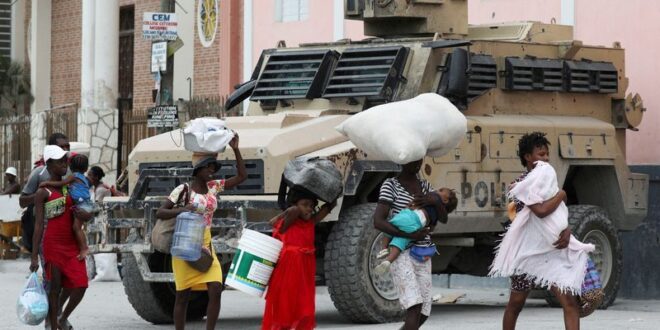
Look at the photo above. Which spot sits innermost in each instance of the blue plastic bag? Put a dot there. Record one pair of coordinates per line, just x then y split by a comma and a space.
424, 252
32, 304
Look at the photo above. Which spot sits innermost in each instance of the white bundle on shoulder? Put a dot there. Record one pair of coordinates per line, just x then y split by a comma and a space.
406, 131
207, 135
527, 247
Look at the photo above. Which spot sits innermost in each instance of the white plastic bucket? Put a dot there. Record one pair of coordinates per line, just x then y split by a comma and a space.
253, 262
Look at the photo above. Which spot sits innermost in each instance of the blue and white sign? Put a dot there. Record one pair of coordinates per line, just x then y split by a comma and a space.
159, 26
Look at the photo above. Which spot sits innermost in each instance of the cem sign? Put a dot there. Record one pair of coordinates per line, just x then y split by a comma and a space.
159, 26
163, 116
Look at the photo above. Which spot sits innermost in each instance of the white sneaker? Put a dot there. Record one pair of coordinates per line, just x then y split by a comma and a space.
382, 268
382, 253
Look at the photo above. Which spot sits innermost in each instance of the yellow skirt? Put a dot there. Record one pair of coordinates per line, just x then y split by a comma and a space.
186, 277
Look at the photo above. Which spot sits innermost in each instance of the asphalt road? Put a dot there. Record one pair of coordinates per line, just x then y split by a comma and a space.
105, 306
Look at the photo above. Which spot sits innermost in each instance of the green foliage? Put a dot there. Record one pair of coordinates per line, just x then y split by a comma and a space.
15, 90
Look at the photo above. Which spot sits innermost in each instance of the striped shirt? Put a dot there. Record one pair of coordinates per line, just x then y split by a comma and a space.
398, 198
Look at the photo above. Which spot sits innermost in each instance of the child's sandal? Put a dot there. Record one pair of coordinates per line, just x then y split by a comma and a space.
382, 253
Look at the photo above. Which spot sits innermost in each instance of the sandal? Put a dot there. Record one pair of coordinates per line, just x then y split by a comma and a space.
382, 253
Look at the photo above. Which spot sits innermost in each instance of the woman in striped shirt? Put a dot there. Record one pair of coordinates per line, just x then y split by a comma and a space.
412, 278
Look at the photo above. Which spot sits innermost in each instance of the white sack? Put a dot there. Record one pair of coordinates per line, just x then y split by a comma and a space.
406, 131
207, 135
106, 268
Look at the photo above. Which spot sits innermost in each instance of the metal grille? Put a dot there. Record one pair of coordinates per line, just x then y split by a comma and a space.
373, 72
595, 77
155, 182
483, 75
294, 74
534, 74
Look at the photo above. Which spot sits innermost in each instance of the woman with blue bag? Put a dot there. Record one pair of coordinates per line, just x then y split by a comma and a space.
412, 277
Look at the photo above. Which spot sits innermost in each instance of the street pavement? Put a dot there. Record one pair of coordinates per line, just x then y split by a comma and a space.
105, 306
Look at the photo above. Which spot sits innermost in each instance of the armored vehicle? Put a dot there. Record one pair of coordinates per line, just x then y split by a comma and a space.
509, 79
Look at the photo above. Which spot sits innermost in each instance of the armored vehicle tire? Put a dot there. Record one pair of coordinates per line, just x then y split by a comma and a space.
154, 301
590, 224
350, 256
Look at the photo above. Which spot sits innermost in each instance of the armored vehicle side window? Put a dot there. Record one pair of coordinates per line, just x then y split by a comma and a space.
294, 74
373, 72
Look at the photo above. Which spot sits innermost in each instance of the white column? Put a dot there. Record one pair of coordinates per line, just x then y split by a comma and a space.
102, 119
184, 58
40, 52
338, 20
568, 12
106, 54
87, 55
18, 32
247, 46
39, 72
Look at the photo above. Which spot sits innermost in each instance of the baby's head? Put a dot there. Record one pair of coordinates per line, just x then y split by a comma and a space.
79, 164
449, 199
304, 201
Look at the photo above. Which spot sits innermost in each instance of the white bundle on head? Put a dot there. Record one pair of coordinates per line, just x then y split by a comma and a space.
406, 131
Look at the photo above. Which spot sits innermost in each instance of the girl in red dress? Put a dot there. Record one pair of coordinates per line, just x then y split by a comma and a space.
291, 291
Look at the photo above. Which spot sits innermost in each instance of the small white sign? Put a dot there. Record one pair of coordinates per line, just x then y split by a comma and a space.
159, 26
159, 57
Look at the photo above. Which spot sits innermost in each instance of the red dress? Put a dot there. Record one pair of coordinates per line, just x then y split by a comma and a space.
59, 244
292, 288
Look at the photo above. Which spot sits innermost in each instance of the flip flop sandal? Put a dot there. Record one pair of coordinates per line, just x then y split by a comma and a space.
382, 253
66, 325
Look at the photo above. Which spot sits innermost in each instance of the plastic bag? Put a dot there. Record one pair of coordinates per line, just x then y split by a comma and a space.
32, 304
406, 131
207, 135
106, 268
315, 175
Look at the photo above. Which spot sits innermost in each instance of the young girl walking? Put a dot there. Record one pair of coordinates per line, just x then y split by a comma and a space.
291, 291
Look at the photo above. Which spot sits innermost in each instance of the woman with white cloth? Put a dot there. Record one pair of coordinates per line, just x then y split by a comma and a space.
528, 251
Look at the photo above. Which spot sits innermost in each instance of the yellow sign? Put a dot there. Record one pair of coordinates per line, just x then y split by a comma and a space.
207, 21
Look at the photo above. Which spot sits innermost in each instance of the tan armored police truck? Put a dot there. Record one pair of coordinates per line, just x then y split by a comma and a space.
508, 79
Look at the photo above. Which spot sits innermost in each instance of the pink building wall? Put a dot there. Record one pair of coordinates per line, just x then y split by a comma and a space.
318, 27
635, 24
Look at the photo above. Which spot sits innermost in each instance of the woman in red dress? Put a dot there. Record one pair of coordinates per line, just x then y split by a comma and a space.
291, 292
60, 250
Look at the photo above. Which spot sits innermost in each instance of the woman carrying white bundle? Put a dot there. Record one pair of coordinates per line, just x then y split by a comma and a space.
530, 252
528, 246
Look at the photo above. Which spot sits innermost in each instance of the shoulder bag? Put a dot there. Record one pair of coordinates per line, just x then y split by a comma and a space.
161, 234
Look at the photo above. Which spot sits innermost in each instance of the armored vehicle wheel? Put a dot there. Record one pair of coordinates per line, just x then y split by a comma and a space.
590, 224
350, 256
154, 301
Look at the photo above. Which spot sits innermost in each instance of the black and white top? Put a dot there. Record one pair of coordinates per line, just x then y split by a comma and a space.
398, 198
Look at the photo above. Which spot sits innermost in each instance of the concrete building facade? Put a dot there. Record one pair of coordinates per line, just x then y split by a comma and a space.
88, 54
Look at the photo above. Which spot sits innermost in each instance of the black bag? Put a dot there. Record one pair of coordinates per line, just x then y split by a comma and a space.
316, 176
204, 262
27, 227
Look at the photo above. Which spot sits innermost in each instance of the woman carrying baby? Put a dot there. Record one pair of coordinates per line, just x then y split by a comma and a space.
530, 252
